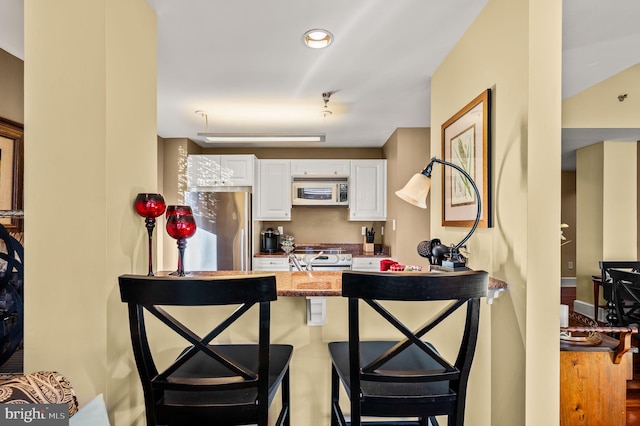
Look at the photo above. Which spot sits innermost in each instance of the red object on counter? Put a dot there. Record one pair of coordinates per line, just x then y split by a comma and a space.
385, 264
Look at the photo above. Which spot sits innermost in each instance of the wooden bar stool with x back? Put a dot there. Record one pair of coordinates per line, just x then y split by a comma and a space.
406, 377
207, 383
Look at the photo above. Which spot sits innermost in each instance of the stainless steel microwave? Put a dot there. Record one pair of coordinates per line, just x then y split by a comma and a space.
319, 191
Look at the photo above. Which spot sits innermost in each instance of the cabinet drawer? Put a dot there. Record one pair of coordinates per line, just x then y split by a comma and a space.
366, 264
270, 264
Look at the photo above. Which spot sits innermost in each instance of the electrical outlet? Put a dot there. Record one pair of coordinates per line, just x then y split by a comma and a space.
570, 265
382, 230
364, 230
393, 225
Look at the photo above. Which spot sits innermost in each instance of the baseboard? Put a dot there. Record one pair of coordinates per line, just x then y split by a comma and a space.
567, 281
586, 309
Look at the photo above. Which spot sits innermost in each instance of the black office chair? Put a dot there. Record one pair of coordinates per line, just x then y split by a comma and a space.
406, 378
221, 384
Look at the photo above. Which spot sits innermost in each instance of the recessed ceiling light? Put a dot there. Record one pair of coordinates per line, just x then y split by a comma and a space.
317, 39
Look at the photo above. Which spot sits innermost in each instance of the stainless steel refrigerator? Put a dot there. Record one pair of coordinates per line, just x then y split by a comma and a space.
223, 235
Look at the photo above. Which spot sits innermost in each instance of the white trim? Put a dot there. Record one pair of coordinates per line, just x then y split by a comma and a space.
567, 281
586, 309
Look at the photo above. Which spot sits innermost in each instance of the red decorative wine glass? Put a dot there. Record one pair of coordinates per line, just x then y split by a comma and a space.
180, 225
149, 206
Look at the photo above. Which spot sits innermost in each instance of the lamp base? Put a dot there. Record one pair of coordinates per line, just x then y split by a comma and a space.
454, 265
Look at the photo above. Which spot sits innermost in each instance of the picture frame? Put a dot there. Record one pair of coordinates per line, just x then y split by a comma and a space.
466, 142
11, 173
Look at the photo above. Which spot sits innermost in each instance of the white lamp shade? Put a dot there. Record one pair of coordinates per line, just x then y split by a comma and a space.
416, 190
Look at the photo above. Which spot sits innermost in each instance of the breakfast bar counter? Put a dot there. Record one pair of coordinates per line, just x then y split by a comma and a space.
319, 283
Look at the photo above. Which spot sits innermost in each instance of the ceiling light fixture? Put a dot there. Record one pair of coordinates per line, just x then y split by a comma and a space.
317, 38
266, 137
325, 97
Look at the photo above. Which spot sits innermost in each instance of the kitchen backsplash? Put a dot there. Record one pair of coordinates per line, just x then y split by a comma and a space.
324, 225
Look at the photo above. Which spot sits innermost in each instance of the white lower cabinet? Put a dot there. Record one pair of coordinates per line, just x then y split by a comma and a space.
366, 264
270, 264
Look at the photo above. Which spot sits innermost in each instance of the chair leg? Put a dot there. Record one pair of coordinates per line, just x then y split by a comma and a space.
335, 395
286, 396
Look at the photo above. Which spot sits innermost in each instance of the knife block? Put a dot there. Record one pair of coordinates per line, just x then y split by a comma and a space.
367, 247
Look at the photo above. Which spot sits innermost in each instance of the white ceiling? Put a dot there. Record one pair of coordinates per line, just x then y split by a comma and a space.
244, 64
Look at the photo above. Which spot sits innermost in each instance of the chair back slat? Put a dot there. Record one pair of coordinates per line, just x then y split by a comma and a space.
607, 265
415, 286
197, 291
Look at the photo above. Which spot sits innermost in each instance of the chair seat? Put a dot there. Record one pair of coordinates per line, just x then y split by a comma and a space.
411, 359
203, 366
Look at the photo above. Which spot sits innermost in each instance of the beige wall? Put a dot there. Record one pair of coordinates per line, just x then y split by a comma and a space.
568, 216
90, 109
407, 152
11, 87
172, 186
519, 331
606, 222
599, 107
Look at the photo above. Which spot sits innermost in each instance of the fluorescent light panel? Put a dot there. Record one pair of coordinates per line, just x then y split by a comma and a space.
256, 137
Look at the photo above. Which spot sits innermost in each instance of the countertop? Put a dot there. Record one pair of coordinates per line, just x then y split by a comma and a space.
321, 283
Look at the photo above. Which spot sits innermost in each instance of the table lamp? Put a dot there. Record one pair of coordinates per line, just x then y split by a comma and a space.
415, 192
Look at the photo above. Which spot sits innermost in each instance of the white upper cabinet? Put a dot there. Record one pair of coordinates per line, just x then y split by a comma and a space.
368, 190
220, 170
320, 167
273, 194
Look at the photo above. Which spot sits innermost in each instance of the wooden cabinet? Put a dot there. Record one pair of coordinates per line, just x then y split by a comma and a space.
273, 190
593, 389
270, 264
206, 171
368, 190
320, 167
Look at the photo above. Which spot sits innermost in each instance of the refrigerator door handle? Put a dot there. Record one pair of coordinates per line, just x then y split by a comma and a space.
242, 252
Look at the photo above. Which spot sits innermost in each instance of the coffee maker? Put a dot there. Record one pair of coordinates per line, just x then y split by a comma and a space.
269, 241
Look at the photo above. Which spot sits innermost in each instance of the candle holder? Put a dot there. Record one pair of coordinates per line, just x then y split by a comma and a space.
149, 206
180, 225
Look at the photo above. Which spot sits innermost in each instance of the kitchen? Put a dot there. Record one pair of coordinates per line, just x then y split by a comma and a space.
231, 194
331, 227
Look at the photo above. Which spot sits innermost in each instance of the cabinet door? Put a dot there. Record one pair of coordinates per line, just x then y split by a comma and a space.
236, 170
368, 190
274, 190
203, 171
320, 167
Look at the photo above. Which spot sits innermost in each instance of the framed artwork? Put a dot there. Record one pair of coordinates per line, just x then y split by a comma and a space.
11, 172
466, 143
